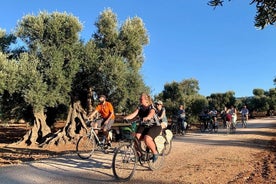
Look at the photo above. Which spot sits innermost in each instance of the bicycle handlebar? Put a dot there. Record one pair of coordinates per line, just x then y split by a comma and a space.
143, 123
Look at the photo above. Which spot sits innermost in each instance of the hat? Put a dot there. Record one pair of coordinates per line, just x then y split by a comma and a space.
159, 102
103, 96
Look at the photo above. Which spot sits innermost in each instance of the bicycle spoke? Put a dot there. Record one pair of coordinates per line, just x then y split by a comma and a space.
85, 147
124, 162
158, 163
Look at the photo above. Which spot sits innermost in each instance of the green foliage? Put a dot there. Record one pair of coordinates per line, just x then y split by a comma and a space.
258, 92
220, 100
43, 76
5, 41
108, 61
177, 93
265, 14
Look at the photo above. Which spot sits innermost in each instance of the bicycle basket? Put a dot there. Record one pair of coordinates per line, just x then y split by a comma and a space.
169, 135
126, 133
160, 143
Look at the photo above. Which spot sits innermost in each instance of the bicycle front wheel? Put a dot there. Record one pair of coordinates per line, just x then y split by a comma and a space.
85, 146
158, 163
202, 126
124, 162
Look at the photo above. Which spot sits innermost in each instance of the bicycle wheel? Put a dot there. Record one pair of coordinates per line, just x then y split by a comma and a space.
202, 126
243, 122
216, 128
168, 144
124, 162
85, 146
228, 127
174, 129
168, 147
158, 163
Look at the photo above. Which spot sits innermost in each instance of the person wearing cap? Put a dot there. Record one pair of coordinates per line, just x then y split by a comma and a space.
161, 113
105, 109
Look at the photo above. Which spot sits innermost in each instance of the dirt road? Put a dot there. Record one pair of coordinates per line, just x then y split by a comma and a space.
248, 156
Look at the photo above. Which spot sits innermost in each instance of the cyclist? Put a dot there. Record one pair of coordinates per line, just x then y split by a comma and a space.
244, 111
181, 117
161, 113
213, 113
106, 111
233, 112
146, 112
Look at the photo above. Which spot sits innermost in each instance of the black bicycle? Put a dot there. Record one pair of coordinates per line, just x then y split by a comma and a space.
207, 124
128, 154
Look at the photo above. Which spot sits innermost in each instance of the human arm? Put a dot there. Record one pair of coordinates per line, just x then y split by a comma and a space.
132, 115
92, 114
163, 114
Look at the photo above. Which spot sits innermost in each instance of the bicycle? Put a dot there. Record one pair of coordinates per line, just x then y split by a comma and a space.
126, 133
243, 121
127, 155
207, 123
176, 127
87, 144
230, 127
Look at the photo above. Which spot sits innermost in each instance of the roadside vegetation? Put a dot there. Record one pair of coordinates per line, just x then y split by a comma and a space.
49, 74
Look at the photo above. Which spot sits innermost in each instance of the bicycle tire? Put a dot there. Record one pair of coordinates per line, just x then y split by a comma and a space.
244, 123
158, 163
168, 147
216, 128
228, 128
85, 146
202, 127
174, 128
168, 144
124, 162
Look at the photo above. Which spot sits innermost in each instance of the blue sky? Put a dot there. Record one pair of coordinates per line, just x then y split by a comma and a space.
220, 48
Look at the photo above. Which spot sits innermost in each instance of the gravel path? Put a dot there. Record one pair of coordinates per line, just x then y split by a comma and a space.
245, 157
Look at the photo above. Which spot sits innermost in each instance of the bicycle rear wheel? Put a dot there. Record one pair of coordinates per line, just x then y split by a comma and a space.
124, 162
85, 146
168, 144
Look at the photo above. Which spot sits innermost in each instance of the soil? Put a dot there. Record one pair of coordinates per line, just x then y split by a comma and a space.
248, 156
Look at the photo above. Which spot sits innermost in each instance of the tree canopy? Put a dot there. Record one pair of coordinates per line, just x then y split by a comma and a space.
265, 11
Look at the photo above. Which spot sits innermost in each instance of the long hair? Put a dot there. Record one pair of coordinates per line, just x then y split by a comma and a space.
147, 97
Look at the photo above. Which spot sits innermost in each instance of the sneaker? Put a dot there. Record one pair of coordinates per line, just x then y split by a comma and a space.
108, 144
155, 157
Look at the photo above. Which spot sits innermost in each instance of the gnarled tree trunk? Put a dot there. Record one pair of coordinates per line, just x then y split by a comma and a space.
39, 131
76, 117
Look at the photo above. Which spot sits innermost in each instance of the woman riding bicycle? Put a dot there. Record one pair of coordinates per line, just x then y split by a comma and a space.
146, 112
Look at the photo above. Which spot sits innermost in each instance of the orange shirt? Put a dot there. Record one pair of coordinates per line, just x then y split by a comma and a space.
105, 110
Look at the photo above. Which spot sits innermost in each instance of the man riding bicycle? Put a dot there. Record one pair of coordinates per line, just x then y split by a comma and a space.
106, 111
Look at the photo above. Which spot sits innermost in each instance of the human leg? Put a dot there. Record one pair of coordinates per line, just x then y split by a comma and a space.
149, 140
106, 128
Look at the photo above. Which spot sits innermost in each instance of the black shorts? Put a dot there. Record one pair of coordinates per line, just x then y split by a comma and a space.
152, 131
